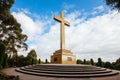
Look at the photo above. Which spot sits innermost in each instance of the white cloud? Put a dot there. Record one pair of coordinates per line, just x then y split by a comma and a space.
67, 6
100, 8
97, 10
92, 38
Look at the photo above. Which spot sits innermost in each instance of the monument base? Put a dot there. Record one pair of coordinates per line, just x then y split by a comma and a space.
63, 57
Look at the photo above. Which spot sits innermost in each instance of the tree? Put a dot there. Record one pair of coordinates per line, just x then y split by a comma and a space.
46, 61
32, 57
21, 61
10, 30
2, 52
108, 65
84, 61
39, 61
3, 57
91, 62
115, 4
79, 61
116, 65
5, 61
32, 61
118, 61
32, 54
99, 63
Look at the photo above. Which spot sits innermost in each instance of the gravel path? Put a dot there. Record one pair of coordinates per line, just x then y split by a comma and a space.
11, 71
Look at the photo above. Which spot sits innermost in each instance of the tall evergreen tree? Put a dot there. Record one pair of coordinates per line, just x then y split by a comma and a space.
91, 61
39, 61
10, 30
46, 61
84, 61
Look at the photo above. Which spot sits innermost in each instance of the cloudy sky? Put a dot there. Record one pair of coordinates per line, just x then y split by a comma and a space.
94, 30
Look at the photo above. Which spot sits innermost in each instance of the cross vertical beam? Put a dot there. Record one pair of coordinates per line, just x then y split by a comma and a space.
62, 29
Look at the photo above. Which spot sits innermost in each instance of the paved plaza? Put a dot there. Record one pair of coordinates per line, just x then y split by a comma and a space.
11, 71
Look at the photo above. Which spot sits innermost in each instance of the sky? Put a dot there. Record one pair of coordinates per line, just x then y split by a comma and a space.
94, 29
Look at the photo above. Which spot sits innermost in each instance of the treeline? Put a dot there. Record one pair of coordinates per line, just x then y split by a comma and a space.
7, 60
100, 63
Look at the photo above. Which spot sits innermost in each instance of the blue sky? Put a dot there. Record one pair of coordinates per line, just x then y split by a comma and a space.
94, 30
45, 7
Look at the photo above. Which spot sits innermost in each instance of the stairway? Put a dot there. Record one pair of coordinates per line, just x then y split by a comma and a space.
67, 71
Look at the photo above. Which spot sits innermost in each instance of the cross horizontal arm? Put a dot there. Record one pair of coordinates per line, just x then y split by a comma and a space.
66, 23
61, 20
57, 18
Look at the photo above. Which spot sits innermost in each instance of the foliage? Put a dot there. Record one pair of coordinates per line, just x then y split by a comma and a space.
20, 60
91, 61
5, 61
79, 61
32, 54
118, 61
46, 61
99, 63
108, 65
10, 30
39, 61
3, 57
115, 4
32, 57
84, 61
117, 64
2, 52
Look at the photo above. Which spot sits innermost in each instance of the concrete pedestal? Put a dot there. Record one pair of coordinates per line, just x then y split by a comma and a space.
63, 57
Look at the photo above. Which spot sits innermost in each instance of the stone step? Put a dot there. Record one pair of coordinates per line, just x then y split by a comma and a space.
70, 70
66, 66
68, 75
66, 72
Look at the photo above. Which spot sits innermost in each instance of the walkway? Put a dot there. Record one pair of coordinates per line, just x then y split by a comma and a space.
11, 71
